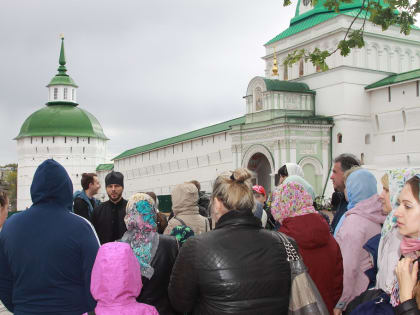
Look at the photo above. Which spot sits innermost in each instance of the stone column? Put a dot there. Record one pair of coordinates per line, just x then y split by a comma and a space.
235, 156
325, 146
283, 152
276, 155
292, 143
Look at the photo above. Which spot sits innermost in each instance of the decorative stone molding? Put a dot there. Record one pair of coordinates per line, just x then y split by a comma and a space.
257, 148
312, 161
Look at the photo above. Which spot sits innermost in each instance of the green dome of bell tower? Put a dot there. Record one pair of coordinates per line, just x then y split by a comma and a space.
61, 116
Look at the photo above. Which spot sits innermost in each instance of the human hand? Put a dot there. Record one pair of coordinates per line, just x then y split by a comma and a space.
407, 278
337, 311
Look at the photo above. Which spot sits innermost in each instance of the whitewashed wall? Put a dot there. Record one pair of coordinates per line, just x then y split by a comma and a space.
160, 170
77, 154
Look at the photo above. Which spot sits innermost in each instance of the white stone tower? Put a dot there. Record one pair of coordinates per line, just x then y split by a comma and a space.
61, 131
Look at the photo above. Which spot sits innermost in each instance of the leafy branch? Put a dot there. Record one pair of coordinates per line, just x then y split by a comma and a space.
390, 12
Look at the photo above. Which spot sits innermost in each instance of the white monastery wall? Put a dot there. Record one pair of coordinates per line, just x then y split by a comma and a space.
77, 155
160, 170
102, 195
395, 121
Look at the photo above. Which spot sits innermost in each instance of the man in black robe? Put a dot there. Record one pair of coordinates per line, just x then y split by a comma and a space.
108, 217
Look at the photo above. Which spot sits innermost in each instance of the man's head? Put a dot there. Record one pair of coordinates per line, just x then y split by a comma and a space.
90, 183
259, 193
342, 163
114, 182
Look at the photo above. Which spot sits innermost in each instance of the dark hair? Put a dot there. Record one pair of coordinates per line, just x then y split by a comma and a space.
3, 198
283, 171
347, 161
414, 185
152, 194
87, 179
197, 184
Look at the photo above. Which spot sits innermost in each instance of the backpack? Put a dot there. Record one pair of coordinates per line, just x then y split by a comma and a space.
372, 302
183, 223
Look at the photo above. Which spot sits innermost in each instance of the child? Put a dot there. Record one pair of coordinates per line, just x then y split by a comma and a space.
116, 282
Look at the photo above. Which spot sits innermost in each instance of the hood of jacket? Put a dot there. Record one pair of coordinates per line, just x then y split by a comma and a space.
370, 209
184, 199
309, 230
52, 184
116, 277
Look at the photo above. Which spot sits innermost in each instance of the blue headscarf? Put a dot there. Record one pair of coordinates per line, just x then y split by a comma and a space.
360, 185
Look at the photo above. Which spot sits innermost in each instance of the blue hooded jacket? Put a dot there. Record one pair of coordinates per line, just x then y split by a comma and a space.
47, 252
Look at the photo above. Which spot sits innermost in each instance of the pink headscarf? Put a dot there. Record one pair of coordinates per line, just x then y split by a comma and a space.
291, 200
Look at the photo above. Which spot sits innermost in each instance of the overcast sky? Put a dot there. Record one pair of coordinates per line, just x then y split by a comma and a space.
147, 70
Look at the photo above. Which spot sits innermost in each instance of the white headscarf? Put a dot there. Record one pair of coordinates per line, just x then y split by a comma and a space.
294, 169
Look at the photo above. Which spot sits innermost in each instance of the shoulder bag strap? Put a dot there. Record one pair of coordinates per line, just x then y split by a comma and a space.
180, 220
291, 252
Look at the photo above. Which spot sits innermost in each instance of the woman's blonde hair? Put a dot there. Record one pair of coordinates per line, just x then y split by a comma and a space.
385, 181
234, 190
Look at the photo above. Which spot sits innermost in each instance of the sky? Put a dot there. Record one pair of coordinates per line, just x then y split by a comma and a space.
147, 70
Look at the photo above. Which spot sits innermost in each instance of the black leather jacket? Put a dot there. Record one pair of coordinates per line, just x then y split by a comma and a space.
407, 308
155, 290
238, 268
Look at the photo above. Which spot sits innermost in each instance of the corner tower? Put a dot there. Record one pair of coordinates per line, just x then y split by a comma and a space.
62, 131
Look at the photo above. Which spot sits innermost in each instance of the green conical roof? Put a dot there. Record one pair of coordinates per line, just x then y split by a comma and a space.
62, 78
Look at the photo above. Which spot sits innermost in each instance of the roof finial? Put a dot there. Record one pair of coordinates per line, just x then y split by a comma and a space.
275, 68
62, 60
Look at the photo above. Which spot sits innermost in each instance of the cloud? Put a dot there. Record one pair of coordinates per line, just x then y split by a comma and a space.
146, 69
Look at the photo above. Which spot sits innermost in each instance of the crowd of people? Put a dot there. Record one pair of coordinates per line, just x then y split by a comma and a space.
238, 251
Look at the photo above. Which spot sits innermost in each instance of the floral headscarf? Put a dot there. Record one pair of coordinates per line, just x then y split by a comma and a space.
291, 200
303, 182
397, 179
141, 234
182, 233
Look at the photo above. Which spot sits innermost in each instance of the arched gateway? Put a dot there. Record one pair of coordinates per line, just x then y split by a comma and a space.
259, 164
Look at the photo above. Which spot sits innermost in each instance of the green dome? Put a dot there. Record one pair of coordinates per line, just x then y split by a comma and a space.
62, 120
319, 9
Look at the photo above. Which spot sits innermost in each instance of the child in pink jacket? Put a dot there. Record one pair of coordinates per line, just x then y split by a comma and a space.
116, 282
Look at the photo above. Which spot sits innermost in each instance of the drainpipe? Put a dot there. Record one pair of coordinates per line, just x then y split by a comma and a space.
331, 160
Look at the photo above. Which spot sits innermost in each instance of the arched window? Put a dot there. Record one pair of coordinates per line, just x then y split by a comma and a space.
258, 99
55, 93
377, 122
367, 139
339, 138
362, 158
393, 138
65, 93
72, 94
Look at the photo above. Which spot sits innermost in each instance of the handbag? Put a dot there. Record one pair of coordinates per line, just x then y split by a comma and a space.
304, 295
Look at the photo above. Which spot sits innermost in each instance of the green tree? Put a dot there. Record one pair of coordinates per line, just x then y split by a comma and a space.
384, 13
11, 181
